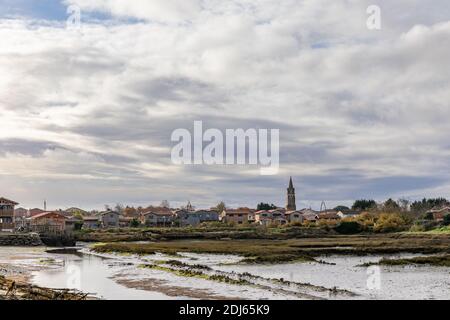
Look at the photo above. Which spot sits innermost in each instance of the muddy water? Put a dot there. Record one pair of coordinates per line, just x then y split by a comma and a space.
119, 277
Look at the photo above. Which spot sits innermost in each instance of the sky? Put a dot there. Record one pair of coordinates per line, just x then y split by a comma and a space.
87, 112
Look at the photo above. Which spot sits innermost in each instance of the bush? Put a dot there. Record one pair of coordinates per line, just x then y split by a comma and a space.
327, 224
428, 216
135, 223
349, 227
295, 224
389, 223
446, 221
366, 220
418, 228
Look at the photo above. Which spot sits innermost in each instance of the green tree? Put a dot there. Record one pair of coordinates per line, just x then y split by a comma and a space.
135, 223
391, 206
349, 227
221, 207
364, 204
446, 221
266, 206
427, 204
341, 208
165, 204
78, 215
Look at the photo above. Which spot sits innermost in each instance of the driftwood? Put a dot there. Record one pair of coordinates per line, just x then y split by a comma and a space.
14, 290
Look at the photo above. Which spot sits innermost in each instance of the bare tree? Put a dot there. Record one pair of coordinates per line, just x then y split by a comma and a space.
165, 204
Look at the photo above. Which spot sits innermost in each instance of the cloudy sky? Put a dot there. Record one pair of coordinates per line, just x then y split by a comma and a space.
87, 113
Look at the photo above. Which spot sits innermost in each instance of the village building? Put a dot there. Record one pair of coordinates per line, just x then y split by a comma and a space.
263, 217
35, 212
348, 213
20, 218
278, 216
48, 223
72, 224
291, 204
76, 211
309, 215
251, 217
267, 217
125, 222
110, 219
193, 218
439, 214
330, 215
158, 217
91, 222
294, 216
7, 214
238, 216
20, 213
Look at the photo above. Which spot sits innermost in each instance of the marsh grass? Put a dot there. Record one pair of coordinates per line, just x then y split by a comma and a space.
260, 251
437, 261
190, 272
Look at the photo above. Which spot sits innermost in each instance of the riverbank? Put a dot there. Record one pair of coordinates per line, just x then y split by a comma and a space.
19, 239
17, 265
231, 269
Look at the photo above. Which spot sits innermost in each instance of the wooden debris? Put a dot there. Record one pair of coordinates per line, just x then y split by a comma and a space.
14, 290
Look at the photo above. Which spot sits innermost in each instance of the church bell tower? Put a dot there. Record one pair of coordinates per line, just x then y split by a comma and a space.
291, 206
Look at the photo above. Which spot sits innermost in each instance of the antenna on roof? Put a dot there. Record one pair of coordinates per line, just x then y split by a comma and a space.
45, 205
323, 206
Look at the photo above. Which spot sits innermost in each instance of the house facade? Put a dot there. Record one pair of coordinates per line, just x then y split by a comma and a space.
330, 215
193, 218
348, 213
309, 215
267, 217
125, 222
110, 219
238, 216
91, 222
439, 213
7, 214
20, 213
158, 218
294, 216
48, 223
35, 212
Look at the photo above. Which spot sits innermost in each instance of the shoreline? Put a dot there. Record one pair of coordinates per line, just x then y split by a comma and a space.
16, 283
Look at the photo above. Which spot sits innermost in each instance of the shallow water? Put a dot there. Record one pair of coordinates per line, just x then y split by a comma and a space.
110, 276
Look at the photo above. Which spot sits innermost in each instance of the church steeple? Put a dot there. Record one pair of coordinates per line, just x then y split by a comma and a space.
291, 206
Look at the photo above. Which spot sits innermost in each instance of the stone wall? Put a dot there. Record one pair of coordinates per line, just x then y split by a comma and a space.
13, 239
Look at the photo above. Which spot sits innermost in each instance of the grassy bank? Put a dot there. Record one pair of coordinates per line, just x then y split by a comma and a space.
304, 249
254, 251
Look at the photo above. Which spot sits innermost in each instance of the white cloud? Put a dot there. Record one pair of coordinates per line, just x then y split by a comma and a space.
348, 101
